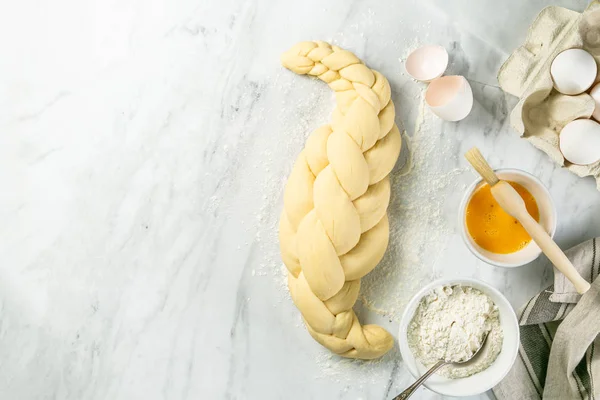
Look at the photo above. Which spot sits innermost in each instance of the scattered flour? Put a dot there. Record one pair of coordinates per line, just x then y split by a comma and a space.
409, 48
303, 105
419, 186
336, 369
418, 229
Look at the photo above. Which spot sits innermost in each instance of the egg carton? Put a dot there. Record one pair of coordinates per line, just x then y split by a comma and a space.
542, 112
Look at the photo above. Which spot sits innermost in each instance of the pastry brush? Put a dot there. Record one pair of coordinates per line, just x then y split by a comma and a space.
511, 202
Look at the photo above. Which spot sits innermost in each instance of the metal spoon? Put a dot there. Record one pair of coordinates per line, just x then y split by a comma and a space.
412, 388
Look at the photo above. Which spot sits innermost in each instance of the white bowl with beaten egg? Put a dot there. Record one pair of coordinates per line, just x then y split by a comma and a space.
547, 219
481, 381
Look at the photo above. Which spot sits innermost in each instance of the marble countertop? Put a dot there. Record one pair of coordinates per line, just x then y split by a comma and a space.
143, 152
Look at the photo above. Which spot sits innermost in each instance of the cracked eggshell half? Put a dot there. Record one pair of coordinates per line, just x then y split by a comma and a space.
573, 71
427, 63
580, 141
450, 97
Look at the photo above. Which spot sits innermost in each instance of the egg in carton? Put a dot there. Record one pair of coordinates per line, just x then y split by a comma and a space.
542, 111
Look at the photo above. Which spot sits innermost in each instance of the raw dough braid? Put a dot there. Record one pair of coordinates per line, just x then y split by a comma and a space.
334, 228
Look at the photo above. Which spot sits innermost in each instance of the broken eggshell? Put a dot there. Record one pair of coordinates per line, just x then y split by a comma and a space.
427, 63
450, 97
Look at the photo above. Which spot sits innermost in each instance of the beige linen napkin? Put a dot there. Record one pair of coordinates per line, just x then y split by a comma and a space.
559, 355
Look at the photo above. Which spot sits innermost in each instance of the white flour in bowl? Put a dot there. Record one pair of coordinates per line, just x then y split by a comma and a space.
450, 323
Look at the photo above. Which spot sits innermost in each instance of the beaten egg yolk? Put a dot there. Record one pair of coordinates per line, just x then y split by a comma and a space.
492, 228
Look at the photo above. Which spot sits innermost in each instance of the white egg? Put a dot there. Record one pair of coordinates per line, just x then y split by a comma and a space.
595, 93
450, 97
580, 141
573, 71
427, 63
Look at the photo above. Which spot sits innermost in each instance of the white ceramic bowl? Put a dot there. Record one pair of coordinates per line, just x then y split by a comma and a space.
548, 220
484, 380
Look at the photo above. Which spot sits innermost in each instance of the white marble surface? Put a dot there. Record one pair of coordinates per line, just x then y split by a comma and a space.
144, 145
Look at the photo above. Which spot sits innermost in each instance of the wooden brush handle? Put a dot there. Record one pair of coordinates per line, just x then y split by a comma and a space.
513, 204
554, 253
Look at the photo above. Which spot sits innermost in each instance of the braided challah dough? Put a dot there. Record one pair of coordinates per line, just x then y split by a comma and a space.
334, 228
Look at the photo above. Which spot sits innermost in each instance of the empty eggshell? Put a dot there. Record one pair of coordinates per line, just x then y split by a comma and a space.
427, 63
450, 97
580, 141
573, 71
595, 93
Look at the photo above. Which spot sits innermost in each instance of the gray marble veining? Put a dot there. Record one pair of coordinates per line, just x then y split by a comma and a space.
144, 149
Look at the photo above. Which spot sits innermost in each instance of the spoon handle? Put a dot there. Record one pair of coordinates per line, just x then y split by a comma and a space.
411, 389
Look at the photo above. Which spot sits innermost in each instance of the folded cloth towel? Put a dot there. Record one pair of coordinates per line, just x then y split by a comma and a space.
559, 355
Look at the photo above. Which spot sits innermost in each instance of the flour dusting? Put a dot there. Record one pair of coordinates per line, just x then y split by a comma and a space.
418, 229
302, 105
334, 368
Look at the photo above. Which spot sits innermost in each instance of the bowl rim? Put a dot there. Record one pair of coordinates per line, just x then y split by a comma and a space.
463, 226
406, 318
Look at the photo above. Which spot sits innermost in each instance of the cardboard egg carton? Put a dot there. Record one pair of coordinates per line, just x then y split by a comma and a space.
542, 112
